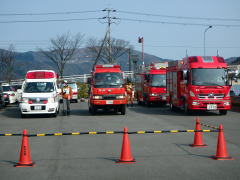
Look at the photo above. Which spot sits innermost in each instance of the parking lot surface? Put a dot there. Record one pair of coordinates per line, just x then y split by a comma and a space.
158, 156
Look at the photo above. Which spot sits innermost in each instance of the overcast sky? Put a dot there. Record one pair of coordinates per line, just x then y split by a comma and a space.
173, 27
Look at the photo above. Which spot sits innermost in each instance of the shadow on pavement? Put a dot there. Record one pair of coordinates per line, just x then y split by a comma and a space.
164, 110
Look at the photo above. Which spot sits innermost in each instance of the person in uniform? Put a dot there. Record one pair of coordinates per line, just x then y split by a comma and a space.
66, 92
130, 93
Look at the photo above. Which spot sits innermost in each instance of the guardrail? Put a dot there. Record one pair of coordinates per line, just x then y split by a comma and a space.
79, 78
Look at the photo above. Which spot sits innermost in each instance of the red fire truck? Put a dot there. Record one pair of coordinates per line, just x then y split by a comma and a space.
107, 89
151, 84
198, 83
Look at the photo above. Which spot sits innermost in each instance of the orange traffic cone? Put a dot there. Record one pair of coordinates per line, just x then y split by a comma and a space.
221, 153
25, 157
126, 155
198, 140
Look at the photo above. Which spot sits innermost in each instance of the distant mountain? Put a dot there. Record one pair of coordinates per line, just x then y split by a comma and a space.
80, 64
233, 61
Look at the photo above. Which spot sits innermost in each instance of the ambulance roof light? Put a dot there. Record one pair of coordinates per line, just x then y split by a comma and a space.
40, 75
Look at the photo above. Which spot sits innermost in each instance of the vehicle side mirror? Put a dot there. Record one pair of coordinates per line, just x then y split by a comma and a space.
89, 80
185, 74
147, 78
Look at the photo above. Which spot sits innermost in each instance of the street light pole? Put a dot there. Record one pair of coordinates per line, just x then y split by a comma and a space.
204, 37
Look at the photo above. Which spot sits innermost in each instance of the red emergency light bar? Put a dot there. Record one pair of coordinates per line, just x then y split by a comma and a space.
107, 66
40, 75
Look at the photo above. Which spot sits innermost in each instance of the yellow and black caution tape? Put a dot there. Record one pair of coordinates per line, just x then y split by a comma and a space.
113, 132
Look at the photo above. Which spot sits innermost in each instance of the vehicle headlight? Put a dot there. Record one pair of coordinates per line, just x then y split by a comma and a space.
120, 97
153, 94
51, 100
24, 100
226, 103
195, 103
97, 97
191, 94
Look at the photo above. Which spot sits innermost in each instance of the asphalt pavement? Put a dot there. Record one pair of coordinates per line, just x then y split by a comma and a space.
158, 156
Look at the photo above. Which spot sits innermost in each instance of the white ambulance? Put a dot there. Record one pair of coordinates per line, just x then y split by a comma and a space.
40, 94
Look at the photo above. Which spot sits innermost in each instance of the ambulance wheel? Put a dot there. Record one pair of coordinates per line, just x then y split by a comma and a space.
222, 112
54, 114
23, 115
123, 109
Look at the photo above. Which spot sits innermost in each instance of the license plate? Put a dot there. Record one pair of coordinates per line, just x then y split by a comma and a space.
211, 107
163, 97
38, 107
109, 102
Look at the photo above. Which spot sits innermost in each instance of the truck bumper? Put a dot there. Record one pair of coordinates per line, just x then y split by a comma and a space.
108, 102
49, 108
210, 105
157, 98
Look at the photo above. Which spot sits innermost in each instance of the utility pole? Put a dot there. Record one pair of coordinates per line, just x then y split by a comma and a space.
204, 39
109, 22
141, 40
129, 59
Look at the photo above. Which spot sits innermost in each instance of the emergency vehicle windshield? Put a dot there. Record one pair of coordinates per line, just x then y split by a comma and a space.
108, 80
7, 88
209, 77
158, 80
38, 87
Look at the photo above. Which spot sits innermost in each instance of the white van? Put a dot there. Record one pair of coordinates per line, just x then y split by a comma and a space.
40, 93
7, 89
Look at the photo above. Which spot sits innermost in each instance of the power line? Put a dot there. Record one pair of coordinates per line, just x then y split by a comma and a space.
48, 13
179, 17
50, 20
189, 46
179, 23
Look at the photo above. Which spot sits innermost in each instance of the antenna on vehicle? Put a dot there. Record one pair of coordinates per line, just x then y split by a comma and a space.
186, 53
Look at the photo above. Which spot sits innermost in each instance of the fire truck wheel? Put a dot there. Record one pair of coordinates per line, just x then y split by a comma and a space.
148, 103
185, 108
139, 102
123, 109
92, 110
223, 112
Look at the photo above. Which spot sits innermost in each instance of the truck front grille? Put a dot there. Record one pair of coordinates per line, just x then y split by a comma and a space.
38, 100
109, 97
210, 96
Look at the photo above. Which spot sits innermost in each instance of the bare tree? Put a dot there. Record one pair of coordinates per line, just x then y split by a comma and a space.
99, 50
62, 50
7, 61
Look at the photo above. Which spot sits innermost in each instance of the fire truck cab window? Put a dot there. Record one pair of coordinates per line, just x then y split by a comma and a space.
158, 80
209, 77
108, 80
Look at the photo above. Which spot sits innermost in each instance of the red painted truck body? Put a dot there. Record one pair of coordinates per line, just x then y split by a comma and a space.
198, 83
107, 89
151, 84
